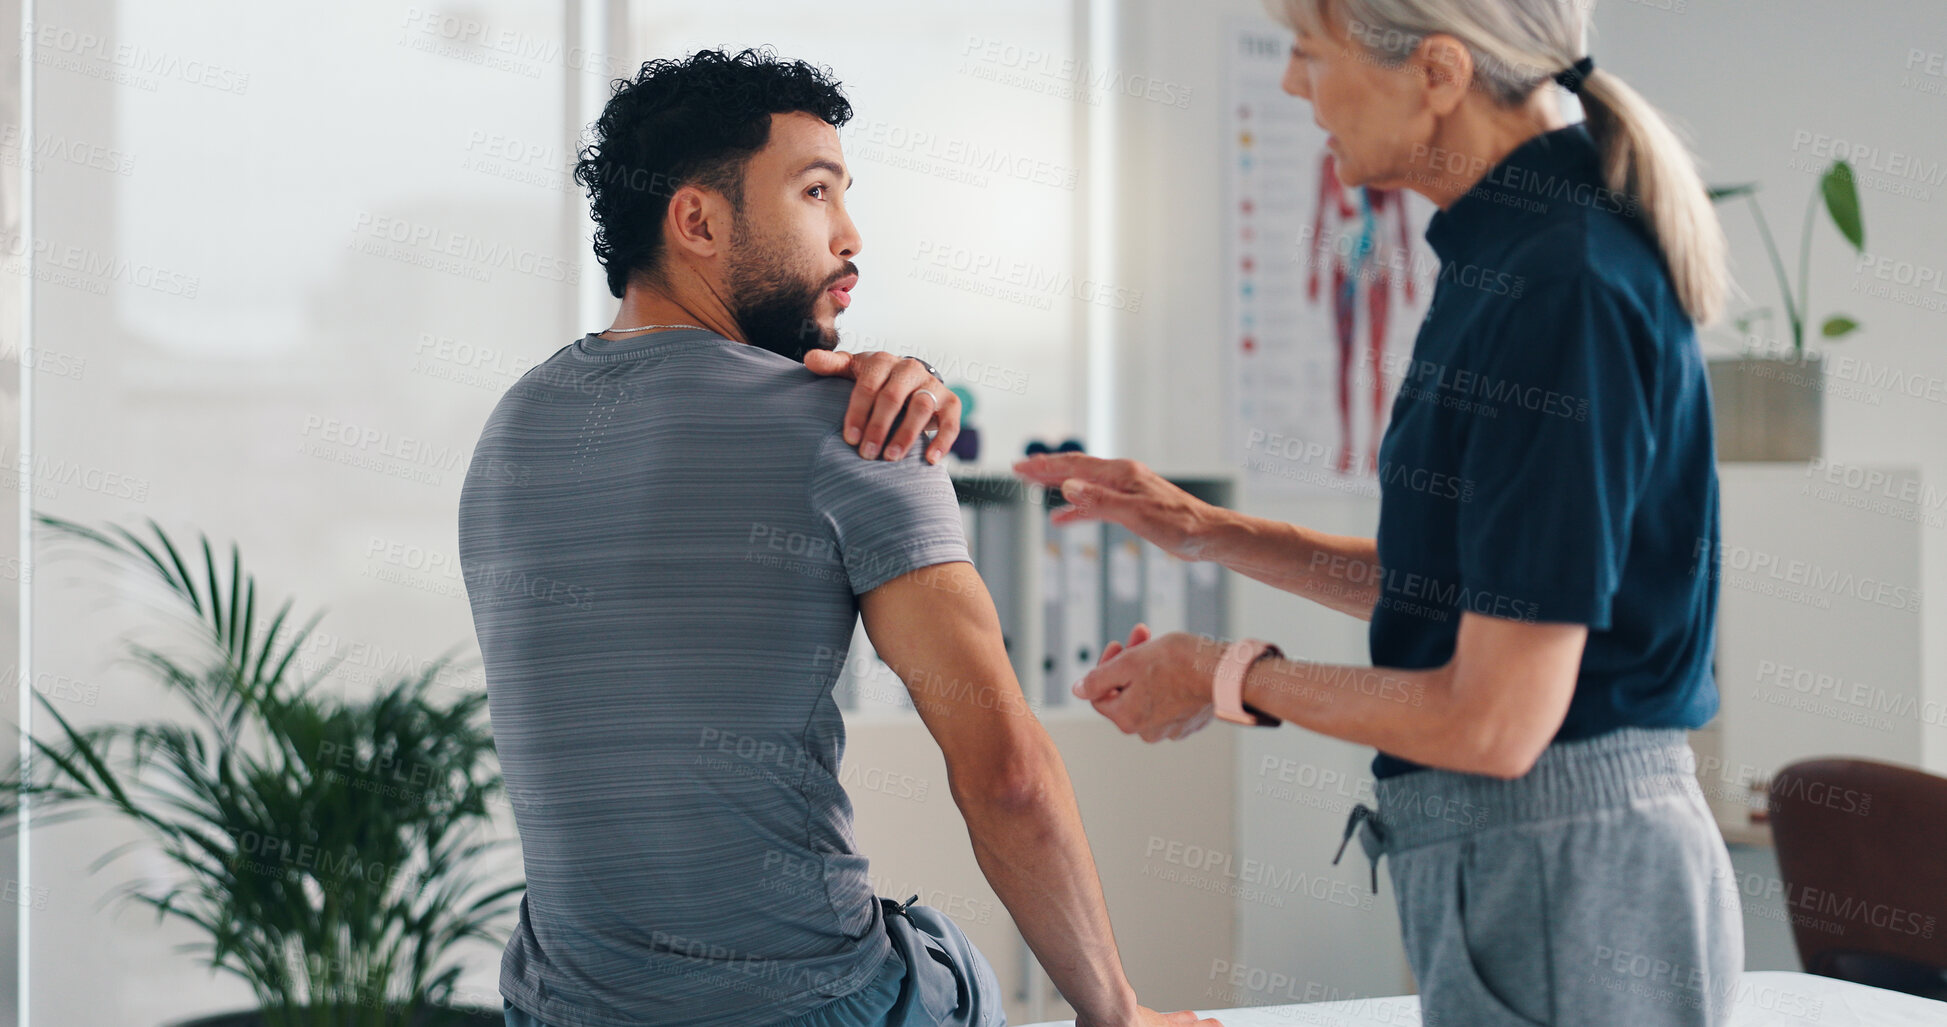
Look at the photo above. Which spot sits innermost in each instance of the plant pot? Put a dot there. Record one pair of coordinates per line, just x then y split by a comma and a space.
1768, 409
438, 1016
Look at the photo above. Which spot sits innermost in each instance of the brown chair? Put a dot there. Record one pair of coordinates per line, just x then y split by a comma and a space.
1862, 850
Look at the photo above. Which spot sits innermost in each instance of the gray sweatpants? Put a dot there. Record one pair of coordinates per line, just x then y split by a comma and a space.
1594, 890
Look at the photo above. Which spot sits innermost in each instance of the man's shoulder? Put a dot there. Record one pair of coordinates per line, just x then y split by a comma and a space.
787, 385
709, 376
805, 390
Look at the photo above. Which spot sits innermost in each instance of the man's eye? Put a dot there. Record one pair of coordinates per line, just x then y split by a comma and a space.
817, 189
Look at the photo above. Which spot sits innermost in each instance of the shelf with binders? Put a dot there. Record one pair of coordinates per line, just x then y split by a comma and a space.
1062, 592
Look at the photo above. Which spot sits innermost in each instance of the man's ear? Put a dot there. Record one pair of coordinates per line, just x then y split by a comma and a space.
697, 222
1448, 69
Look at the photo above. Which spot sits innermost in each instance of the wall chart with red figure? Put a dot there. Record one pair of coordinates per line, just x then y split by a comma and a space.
1327, 284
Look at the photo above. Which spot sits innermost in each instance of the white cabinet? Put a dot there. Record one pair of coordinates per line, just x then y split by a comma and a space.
1819, 628
1819, 638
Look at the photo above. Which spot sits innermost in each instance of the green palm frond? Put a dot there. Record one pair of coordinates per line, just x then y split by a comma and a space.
328, 850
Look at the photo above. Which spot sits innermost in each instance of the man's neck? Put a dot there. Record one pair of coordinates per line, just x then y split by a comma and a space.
645, 304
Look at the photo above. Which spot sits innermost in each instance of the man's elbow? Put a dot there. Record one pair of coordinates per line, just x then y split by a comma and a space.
1015, 783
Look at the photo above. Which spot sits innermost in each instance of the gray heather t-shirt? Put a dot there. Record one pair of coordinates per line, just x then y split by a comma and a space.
662, 540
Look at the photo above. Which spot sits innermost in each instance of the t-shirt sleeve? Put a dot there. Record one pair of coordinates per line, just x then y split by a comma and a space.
1558, 467
888, 517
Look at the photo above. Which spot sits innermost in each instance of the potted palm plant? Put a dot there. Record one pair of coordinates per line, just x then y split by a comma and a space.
1769, 400
327, 848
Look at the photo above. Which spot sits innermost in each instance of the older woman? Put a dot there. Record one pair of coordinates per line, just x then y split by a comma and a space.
1541, 636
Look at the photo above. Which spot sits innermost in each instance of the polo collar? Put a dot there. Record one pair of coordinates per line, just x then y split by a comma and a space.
1551, 168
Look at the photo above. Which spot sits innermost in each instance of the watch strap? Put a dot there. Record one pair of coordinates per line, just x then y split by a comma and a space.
1227, 690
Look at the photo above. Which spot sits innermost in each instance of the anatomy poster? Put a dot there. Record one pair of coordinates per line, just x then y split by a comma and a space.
1327, 284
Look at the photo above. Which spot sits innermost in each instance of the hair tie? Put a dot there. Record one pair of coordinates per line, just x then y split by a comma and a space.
1572, 77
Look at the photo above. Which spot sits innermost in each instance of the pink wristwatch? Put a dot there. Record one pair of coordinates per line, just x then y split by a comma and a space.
1228, 690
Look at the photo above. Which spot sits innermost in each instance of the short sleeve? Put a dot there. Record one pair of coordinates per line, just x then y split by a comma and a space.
1557, 450
888, 517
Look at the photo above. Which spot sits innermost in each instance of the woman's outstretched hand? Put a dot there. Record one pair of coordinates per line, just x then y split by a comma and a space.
1125, 492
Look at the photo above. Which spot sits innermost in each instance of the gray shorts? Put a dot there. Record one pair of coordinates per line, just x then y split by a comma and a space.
1595, 889
933, 978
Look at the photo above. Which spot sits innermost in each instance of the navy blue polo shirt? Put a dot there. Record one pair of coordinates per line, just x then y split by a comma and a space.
1550, 455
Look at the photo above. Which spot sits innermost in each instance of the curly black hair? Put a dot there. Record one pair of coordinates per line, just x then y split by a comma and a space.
696, 121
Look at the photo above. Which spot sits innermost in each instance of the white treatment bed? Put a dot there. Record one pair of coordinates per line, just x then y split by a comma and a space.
1764, 999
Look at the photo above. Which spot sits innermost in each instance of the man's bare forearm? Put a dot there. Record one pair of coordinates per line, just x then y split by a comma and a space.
937, 628
1338, 571
1032, 849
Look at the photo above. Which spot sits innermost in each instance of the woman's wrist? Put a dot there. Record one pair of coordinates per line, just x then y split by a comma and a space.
1209, 532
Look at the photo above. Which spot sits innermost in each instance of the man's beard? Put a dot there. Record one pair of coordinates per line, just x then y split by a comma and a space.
777, 309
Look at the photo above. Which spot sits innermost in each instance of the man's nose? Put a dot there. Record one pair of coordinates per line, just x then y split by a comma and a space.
847, 244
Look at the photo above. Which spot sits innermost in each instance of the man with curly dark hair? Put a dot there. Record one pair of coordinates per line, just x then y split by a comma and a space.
668, 542
700, 121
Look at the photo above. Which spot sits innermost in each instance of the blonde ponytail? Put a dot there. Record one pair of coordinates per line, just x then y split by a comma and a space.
1642, 157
